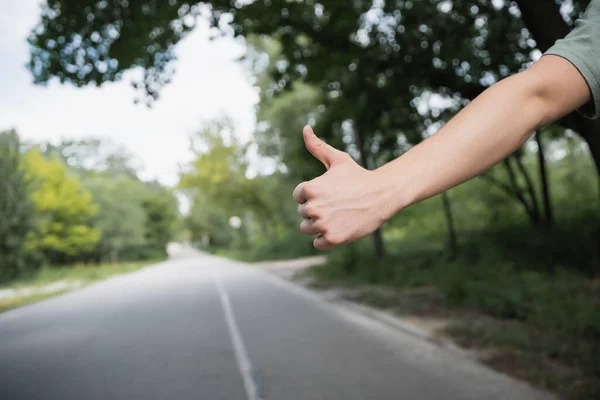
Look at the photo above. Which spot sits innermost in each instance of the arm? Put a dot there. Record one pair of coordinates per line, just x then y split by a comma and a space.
485, 132
349, 202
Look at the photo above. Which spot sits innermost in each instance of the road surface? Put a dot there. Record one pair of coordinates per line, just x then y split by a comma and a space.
201, 327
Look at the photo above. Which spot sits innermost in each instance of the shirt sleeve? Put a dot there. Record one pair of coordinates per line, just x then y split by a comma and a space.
582, 49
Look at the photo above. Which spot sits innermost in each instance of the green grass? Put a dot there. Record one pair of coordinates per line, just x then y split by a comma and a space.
290, 248
80, 273
540, 319
84, 273
19, 301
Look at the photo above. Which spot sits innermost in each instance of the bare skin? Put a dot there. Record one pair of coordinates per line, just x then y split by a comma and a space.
349, 202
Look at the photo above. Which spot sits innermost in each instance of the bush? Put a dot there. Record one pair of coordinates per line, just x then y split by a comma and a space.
485, 277
294, 246
143, 253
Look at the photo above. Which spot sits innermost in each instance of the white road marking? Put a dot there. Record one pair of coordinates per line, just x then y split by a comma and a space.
241, 355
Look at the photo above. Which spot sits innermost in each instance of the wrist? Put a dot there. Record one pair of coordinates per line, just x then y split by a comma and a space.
395, 190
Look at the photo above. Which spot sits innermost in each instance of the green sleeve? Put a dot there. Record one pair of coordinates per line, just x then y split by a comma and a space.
582, 49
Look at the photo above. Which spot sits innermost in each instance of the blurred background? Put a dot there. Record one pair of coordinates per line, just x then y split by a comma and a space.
127, 125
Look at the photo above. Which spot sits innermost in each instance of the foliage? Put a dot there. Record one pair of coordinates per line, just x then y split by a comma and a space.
161, 216
77, 201
91, 156
218, 171
280, 118
550, 309
16, 210
110, 173
377, 63
208, 224
118, 39
64, 207
120, 217
376, 77
216, 180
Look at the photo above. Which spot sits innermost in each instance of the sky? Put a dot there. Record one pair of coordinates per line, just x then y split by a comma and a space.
209, 83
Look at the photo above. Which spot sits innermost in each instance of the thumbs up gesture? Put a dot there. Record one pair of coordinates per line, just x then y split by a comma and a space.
346, 203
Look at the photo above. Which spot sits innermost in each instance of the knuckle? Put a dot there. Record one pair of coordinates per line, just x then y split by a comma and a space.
346, 157
334, 239
343, 158
303, 226
298, 188
299, 192
309, 189
312, 210
321, 226
319, 244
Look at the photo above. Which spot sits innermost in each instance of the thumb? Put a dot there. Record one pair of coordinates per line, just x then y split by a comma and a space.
318, 148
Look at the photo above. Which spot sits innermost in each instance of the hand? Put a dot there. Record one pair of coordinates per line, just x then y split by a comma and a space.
345, 204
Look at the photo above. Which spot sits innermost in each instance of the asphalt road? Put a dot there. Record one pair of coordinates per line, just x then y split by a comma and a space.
201, 327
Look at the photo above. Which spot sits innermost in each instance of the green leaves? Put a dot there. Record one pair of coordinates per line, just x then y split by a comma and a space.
16, 210
161, 216
94, 41
65, 209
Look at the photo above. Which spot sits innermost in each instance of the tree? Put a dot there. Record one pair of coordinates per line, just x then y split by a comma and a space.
545, 22
208, 225
218, 184
545, 186
120, 216
91, 156
65, 210
161, 217
109, 172
373, 61
218, 170
16, 210
373, 52
279, 119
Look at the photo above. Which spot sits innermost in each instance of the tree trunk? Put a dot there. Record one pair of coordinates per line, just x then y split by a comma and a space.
530, 207
510, 190
548, 213
378, 244
452, 245
530, 189
377, 237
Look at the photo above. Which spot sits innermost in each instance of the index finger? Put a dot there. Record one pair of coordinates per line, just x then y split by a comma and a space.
299, 195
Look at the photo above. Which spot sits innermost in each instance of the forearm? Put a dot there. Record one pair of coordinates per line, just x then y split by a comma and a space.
489, 129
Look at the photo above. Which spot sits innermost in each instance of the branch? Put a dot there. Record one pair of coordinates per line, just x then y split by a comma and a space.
502, 185
510, 190
529, 183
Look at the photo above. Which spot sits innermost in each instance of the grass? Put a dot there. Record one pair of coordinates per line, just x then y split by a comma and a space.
79, 273
548, 358
290, 248
532, 318
18, 301
85, 273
